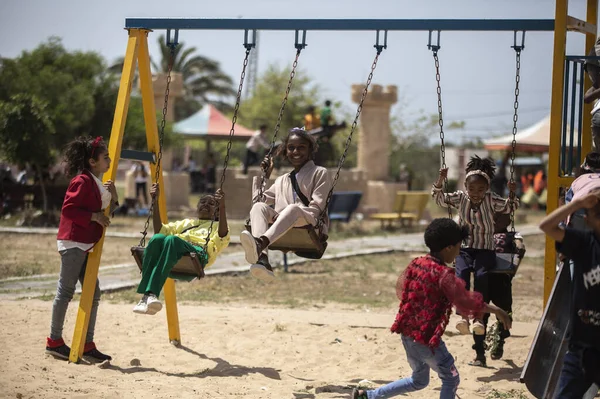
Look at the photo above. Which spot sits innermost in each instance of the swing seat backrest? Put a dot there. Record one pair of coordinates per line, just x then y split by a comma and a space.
187, 268
304, 241
509, 253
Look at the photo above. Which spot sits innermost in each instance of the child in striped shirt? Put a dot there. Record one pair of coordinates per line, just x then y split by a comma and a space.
476, 208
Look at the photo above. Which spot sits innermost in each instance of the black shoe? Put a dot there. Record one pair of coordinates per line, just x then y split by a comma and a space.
497, 350
94, 355
479, 361
60, 352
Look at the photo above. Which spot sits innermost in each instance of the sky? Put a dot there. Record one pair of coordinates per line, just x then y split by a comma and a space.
477, 68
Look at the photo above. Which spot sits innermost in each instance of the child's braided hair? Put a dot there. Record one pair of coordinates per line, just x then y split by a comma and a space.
485, 165
77, 153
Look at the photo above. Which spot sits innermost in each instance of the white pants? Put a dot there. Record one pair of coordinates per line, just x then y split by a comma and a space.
261, 215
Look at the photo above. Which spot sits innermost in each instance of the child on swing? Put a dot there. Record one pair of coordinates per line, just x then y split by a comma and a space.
427, 290
82, 223
176, 239
476, 208
298, 199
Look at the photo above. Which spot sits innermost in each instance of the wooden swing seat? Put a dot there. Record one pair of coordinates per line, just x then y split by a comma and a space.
188, 268
508, 262
304, 241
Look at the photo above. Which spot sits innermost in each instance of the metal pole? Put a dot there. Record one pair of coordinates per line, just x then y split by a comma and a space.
556, 108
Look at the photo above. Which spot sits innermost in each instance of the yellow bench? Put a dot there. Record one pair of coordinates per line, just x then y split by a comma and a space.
408, 208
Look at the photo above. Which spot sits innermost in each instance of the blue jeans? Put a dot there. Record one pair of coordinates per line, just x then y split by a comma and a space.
421, 358
573, 382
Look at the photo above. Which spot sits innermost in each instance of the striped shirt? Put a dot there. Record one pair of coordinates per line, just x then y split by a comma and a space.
480, 220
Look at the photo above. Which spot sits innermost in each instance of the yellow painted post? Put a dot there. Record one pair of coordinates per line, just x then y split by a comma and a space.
153, 146
556, 106
590, 40
114, 150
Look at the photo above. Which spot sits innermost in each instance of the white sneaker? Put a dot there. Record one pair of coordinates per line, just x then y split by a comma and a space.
142, 306
478, 328
463, 327
250, 247
154, 305
262, 273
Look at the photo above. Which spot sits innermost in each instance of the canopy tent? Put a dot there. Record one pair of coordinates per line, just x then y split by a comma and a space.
535, 138
209, 123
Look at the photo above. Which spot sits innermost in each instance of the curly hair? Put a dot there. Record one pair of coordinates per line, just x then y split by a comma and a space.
77, 153
443, 232
303, 134
486, 165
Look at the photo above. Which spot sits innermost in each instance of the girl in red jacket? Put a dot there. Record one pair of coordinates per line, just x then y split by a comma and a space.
82, 222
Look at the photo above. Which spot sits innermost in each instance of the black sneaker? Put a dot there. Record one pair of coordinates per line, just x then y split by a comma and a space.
497, 350
94, 355
59, 352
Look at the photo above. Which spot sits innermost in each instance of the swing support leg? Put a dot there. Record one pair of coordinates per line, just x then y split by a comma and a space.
154, 146
114, 151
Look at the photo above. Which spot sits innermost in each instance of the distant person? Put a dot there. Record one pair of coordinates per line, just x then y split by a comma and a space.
592, 67
405, 176
253, 146
499, 182
210, 173
141, 183
311, 119
326, 117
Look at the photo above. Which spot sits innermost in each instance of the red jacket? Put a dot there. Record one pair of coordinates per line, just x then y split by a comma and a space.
427, 290
81, 200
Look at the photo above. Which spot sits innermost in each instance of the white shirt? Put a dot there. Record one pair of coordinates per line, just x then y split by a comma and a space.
257, 140
68, 244
596, 107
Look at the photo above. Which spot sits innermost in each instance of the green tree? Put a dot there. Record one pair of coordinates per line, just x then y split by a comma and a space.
265, 103
203, 80
66, 81
411, 145
26, 134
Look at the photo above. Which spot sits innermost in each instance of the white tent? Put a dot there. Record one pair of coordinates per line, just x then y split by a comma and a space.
535, 138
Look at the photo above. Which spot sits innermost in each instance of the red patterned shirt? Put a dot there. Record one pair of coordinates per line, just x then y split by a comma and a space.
427, 291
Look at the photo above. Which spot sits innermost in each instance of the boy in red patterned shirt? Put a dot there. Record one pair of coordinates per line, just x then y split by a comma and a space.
427, 291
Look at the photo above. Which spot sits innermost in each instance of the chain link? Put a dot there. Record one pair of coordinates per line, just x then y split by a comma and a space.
441, 123
514, 133
161, 137
349, 138
236, 109
278, 125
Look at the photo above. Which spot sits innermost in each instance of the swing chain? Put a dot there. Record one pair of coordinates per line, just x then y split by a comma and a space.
349, 138
236, 109
514, 132
278, 124
163, 122
441, 119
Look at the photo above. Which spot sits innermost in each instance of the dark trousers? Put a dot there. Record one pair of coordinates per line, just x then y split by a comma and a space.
140, 188
478, 262
251, 159
578, 373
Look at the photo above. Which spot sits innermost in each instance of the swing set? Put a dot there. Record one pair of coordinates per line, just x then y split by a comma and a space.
307, 241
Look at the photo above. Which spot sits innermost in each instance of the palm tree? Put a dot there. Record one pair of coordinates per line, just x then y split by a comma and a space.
203, 80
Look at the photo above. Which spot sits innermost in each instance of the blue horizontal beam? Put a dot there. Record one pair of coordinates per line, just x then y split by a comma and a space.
343, 24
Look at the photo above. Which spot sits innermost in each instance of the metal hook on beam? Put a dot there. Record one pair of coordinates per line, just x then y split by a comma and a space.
436, 46
300, 45
380, 47
518, 47
247, 43
172, 43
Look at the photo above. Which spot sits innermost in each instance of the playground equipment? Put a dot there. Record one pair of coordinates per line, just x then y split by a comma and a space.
137, 50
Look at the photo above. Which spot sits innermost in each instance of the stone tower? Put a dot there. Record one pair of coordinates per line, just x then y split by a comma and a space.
159, 84
374, 139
